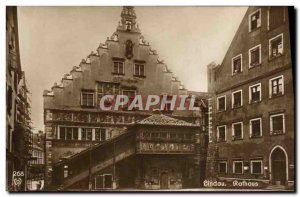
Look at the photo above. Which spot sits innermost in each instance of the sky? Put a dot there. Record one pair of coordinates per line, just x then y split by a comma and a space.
54, 39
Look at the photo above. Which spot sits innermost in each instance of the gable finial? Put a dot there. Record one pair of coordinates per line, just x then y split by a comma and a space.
128, 17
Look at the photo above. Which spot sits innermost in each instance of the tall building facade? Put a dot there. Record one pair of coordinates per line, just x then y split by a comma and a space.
13, 69
251, 112
18, 131
88, 148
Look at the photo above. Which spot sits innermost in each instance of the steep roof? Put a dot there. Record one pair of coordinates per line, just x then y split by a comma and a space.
163, 120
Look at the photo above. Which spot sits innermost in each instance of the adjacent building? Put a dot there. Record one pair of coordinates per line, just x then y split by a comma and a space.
89, 148
13, 70
251, 112
18, 131
36, 166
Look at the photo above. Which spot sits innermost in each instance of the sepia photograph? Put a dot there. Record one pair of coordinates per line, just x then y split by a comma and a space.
150, 99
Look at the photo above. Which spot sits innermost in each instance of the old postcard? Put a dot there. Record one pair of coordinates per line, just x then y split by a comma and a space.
150, 99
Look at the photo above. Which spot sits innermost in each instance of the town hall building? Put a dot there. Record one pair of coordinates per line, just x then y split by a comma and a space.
92, 149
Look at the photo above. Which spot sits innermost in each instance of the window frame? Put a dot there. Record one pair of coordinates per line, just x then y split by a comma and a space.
283, 123
271, 88
218, 133
130, 99
249, 53
233, 166
81, 100
86, 137
101, 131
232, 64
226, 169
261, 166
232, 98
249, 19
250, 127
250, 93
58, 135
218, 109
119, 62
233, 130
139, 66
270, 46
128, 90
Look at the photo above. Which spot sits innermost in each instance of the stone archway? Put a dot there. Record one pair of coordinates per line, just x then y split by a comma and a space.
278, 162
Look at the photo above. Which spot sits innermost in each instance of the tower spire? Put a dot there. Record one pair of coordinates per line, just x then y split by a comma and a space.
128, 18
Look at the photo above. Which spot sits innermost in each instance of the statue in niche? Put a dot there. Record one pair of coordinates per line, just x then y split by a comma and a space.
129, 49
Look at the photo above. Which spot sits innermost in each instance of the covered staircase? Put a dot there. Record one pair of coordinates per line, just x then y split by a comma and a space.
83, 166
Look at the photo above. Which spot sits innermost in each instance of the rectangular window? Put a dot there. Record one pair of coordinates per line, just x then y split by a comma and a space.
237, 99
276, 17
68, 133
164, 135
173, 136
276, 46
277, 124
62, 133
75, 133
237, 64
254, 20
86, 133
118, 68
130, 94
100, 134
256, 166
221, 103
87, 99
255, 56
238, 167
222, 167
221, 133
255, 128
276, 86
255, 93
139, 70
237, 131
106, 88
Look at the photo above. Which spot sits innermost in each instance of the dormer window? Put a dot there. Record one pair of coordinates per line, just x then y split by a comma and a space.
128, 25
